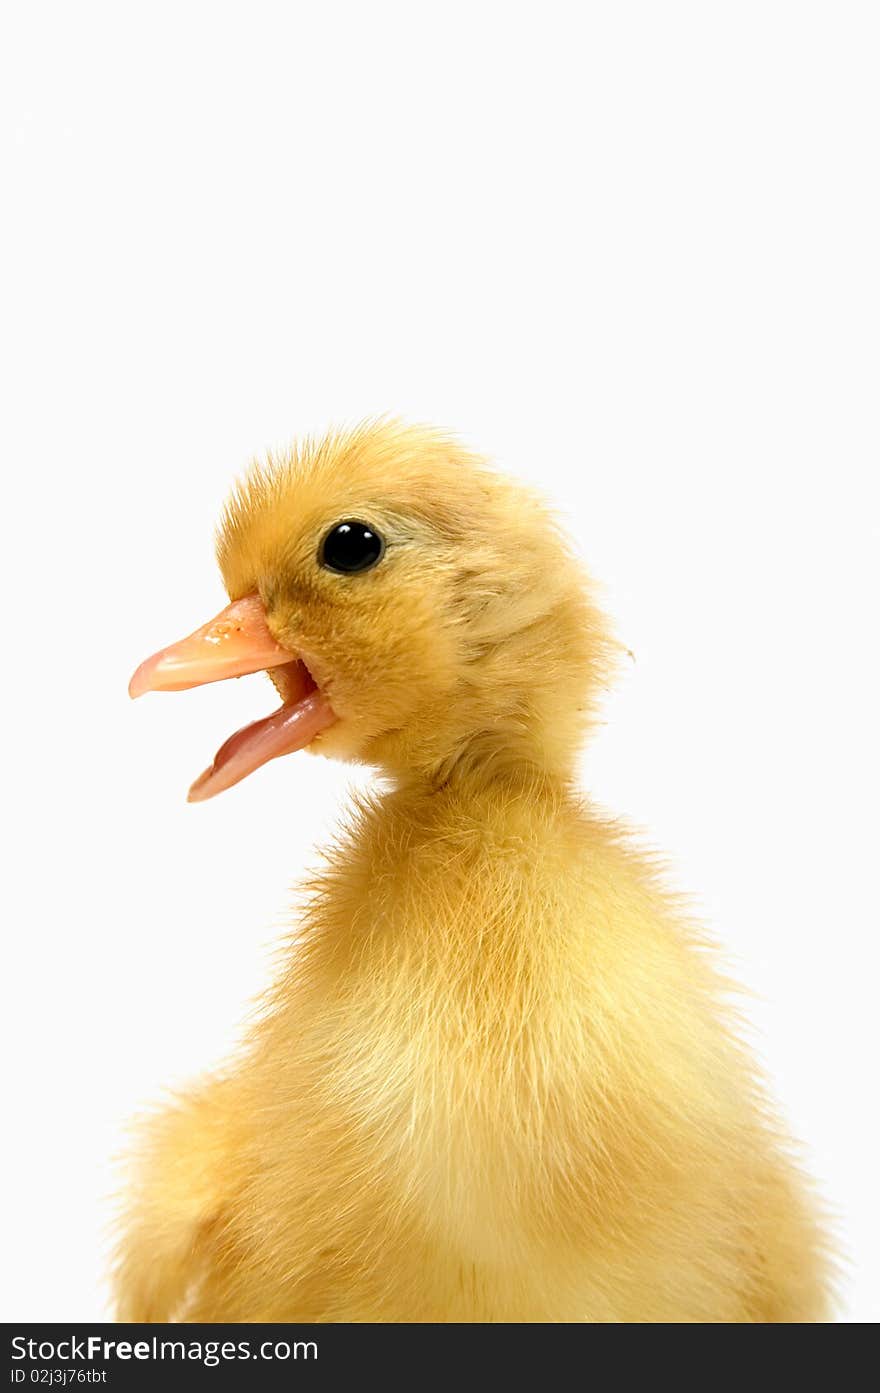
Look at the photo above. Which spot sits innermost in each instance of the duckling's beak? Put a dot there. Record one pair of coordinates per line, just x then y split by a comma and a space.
236, 642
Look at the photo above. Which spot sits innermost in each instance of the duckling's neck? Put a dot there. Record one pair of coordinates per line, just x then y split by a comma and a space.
468, 816
488, 763
482, 785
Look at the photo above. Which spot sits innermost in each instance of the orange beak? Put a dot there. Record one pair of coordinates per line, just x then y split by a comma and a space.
236, 642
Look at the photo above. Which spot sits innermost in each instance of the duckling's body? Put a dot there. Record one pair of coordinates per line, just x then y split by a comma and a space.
495, 1081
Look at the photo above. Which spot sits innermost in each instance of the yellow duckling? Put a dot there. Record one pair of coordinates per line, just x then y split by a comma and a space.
497, 1080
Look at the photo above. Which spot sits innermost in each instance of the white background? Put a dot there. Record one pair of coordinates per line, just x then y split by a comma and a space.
630, 250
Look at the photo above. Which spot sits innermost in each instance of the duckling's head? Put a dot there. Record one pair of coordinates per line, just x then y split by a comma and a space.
415, 610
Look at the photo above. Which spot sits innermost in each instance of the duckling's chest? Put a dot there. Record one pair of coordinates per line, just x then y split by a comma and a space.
447, 1044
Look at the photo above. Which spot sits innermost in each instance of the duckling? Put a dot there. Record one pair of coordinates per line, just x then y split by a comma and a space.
497, 1078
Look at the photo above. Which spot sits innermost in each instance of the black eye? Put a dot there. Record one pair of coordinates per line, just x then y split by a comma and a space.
350, 547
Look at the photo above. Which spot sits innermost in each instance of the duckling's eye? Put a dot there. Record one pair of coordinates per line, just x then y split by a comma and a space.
350, 547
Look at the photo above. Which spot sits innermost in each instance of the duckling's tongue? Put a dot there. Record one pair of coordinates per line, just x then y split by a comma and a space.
291, 727
234, 643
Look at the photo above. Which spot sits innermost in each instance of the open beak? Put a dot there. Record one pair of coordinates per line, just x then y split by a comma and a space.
237, 641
